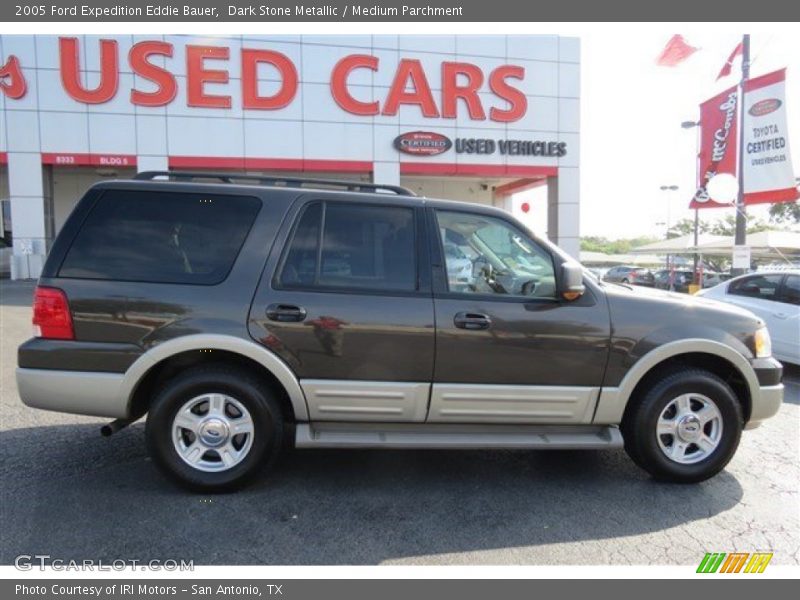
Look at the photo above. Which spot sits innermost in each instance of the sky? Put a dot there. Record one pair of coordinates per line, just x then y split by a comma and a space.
631, 110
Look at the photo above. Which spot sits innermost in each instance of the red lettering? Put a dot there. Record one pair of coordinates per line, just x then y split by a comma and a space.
517, 100
452, 91
284, 96
410, 71
138, 59
71, 71
339, 84
197, 76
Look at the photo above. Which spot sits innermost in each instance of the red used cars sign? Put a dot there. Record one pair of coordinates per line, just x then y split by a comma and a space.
425, 143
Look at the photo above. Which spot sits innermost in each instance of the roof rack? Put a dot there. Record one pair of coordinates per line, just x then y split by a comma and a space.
298, 182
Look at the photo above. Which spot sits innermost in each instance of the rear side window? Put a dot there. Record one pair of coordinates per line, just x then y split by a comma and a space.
352, 246
764, 287
161, 237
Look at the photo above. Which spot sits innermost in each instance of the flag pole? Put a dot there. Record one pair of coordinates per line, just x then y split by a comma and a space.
740, 238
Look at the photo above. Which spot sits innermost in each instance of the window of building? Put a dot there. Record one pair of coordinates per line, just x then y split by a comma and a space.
161, 237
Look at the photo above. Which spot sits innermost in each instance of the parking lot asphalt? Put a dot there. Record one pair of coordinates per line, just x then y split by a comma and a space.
71, 494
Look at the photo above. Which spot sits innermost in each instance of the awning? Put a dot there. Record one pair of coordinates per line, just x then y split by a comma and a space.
761, 243
679, 245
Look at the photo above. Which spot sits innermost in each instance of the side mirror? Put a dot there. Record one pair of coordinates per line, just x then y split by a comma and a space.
572, 286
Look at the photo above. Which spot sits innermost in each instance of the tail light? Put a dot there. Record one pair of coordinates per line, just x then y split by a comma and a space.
51, 316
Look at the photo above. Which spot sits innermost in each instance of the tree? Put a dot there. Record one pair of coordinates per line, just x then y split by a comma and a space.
601, 244
727, 226
685, 227
785, 212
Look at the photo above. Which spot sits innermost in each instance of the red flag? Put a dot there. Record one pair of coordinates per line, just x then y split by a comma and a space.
726, 68
675, 52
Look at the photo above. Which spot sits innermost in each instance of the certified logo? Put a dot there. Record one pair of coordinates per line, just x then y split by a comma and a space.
764, 107
422, 143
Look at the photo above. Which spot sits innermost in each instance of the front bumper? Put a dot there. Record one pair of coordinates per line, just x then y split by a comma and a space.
767, 401
767, 405
78, 392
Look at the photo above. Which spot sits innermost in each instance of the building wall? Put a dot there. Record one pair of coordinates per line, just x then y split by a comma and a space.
47, 130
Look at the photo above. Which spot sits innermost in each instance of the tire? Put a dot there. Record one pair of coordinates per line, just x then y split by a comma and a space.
214, 402
686, 448
626, 281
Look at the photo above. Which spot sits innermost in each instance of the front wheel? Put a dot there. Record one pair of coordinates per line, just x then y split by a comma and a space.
213, 428
685, 428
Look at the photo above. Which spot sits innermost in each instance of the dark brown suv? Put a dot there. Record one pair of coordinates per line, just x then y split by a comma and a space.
243, 314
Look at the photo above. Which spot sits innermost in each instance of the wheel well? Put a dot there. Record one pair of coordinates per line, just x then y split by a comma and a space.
722, 368
162, 371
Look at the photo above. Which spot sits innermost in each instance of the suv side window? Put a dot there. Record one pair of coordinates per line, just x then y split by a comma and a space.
161, 237
487, 255
791, 290
352, 246
763, 287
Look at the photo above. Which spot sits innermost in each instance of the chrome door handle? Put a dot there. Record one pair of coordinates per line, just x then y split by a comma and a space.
286, 313
472, 321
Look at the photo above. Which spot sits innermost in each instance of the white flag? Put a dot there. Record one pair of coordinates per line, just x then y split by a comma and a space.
768, 173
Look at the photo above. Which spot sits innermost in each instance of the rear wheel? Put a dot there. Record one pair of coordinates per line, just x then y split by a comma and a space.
213, 428
685, 428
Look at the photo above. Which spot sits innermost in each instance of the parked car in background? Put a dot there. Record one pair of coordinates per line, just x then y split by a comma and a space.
459, 267
680, 280
710, 278
775, 297
633, 275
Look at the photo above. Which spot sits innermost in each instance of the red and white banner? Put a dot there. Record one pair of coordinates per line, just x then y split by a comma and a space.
718, 135
768, 173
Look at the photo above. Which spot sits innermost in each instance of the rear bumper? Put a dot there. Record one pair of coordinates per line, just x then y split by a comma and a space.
78, 392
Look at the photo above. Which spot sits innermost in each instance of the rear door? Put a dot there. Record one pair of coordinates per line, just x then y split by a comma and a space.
346, 302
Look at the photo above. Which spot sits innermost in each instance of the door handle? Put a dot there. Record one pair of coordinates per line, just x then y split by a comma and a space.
781, 315
285, 313
472, 321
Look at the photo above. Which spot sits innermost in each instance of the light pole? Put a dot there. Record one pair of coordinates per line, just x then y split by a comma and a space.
669, 188
741, 216
692, 125
670, 266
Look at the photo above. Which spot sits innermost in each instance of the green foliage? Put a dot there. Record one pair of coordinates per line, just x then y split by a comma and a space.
606, 246
725, 226
685, 227
785, 213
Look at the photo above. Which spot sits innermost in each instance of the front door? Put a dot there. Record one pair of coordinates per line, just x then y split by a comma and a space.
508, 349
350, 310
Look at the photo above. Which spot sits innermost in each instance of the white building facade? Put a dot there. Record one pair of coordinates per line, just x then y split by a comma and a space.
472, 118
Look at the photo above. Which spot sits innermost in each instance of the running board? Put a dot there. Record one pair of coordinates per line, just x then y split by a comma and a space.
447, 436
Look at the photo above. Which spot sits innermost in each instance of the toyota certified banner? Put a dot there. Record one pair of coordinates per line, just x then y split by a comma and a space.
768, 175
718, 120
